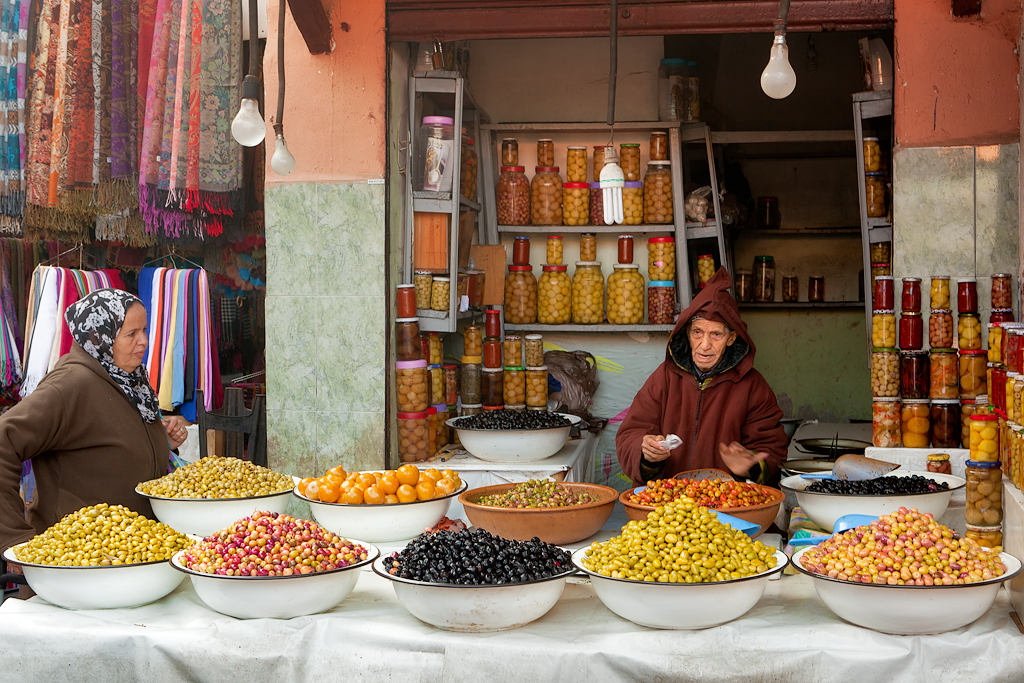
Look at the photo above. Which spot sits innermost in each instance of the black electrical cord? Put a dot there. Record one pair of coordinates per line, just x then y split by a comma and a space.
780, 23
613, 59
251, 82
278, 120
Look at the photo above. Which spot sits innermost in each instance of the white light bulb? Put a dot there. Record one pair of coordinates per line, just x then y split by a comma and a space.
778, 78
282, 161
248, 128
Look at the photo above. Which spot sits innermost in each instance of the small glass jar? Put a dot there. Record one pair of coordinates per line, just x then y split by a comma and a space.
764, 285
471, 409
436, 384
576, 203
916, 427
405, 301
872, 155
413, 386
1000, 316
626, 295
911, 332
885, 372
816, 288
881, 252
1002, 291
910, 302
512, 196
880, 269
986, 536
520, 295
625, 249
768, 216
633, 203
984, 439
472, 341
475, 287
509, 152
967, 410
470, 166
1018, 400
537, 386
533, 350
884, 293
874, 188
492, 353
597, 204
599, 153
658, 150
435, 154
945, 425
431, 431
940, 328
554, 296
546, 196
984, 506
790, 288
588, 246
658, 193
407, 338
469, 379
995, 343
462, 286
661, 302
945, 381
968, 327
967, 295
973, 373
939, 462
885, 423
661, 258
492, 387
451, 384
914, 368
744, 285
435, 348
440, 293
441, 416
512, 351
413, 440
492, 324
1013, 336
588, 293
629, 160
424, 348
515, 386
576, 164
545, 152
554, 250
939, 292
883, 329
423, 284
521, 251
517, 408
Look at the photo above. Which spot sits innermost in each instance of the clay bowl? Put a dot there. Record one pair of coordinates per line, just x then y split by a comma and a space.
762, 515
558, 526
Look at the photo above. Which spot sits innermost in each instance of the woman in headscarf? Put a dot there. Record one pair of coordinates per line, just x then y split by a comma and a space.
93, 428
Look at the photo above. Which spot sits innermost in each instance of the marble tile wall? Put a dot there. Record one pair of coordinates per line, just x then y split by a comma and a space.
326, 313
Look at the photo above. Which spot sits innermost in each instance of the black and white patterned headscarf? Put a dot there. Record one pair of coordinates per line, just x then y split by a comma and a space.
94, 322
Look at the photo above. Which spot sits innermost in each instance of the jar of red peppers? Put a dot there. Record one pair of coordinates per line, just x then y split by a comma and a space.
884, 294
945, 424
521, 251
625, 249
911, 332
1000, 316
911, 300
939, 462
914, 370
1002, 292
967, 295
492, 353
405, 301
492, 324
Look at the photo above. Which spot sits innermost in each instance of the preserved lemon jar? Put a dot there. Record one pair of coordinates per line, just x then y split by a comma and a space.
512, 196
661, 302
629, 160
546, 196
512, 351
537, 386
472, 341
885, 372
985, 536
945, 424
973, 373
883, 329
554, 250
533, 350
515, 386
588, 293
658, 193
967, 411
632, 203
576, 165
509, 152
984, 439
423, 284
436, 380
576, 203
969, 331
945, 382
545, 152
874, 186
413, 390
872, 155
885, 422
916, 427
995, 343
626, 295
554, 296
588, 247
413, 440
661, 258
984, 505
520, 295
940, 292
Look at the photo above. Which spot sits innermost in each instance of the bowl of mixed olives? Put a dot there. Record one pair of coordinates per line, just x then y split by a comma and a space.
514, 436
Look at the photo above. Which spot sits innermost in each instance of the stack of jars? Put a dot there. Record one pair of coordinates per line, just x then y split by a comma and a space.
536, 373
471, 370
983, 511
554, 293
412, 380
521, 285
625, 295
492, 375
514, 381
891, 372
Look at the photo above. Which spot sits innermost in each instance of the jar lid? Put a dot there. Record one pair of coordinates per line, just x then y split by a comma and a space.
627, 266
493, 370
440, 407
630, 144
911, 279
659, 164
968, 401
518, 406
984, 417
532, 337
870, 139
706, 256
967, 278
588, 234
945, 401
412, 416
472, 405
537, 367
472, 360
551, 267
633, 184
546, 169
544, 140
938, 457
410, 364
625, 237
431, 411
916, 401
943, 350
911, 314
434, 334
743, 271
941, 311
576, 186
601, 146
887, 399
874, 174
438, 366
596, 186
920, 353
439, 119
588, 264
764, 258
994, 310
515, 368
442, 279
973, 352
1011, 373
520, 269
883, 311
1001, 275
984, 529
883, 349
512, 337
661, 132
983, 465
408, 286
523, 237
661, 283
940, 277
515, 140
970, 315
883, 277
493, 407
450, 366
407, 320
555, 237
513, 169
576, 147
661, 240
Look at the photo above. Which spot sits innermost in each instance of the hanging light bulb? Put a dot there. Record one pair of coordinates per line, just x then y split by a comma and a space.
778, 78
282, 162
248, 127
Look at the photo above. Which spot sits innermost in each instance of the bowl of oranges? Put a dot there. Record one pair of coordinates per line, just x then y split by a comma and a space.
380, 507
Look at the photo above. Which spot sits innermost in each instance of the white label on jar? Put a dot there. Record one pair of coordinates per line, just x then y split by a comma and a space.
434, 168
464, 304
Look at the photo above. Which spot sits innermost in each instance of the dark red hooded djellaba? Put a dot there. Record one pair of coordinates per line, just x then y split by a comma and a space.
733, 403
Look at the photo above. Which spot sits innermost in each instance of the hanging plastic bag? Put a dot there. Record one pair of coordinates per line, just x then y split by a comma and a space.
696, 204
576, 372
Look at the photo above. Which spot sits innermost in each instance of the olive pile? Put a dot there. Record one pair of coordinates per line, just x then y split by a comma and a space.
99, 536
538, 493
878, 487
217, 477
513, 419
474, 558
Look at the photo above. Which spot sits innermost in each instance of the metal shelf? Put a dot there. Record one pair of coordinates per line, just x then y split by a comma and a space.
604, 327
781, 305
639, 126
797, 234
574, 229
748, 137
438, 202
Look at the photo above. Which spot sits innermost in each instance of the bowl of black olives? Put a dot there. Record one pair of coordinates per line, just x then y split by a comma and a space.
513, 436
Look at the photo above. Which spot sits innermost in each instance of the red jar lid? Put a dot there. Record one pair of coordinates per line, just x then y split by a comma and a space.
431, 411
973, 352
494, 407
450, 367
881, 265
520, 268
412, 416
558, 237
706, 256
514, 169
661, 240
546, 169
549, 268
984, 417
576, 186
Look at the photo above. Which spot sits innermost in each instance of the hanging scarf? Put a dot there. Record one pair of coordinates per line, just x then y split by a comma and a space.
95, 322
13, 44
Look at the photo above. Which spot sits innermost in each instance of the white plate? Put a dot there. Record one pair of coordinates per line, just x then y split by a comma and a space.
513, 445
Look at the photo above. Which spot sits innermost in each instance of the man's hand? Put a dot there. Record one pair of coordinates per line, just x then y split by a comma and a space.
738, 459
652, 450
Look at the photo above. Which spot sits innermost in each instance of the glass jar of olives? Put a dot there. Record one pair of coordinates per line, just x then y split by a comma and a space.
588, 293
520, 295
626, 295
546, 196
554, 295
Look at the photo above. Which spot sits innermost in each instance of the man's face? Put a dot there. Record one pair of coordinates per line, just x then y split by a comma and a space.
708, 341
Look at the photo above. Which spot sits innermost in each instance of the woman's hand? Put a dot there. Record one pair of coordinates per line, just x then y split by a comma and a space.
651, 448
15, 568
738, 459
175, 426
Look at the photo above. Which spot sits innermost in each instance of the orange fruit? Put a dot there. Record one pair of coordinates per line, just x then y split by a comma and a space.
353, 495
390, 499
367, 479
346, 485
444, 486
338, 471
313, 490
433, 473
330, 492
388, 483
425, 489
408, 474
373, 496
303, 484
406, 493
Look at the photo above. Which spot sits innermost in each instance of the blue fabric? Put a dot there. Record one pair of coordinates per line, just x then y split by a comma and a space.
146, 290
188, 408
178, 355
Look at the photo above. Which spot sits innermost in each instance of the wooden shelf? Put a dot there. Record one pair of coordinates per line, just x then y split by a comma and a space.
742, 234
578, 229
781, 305
589, 328
746, 137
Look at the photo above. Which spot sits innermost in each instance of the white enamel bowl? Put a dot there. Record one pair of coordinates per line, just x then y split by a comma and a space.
381, 523
204, 516
909, 610
825, 508
276, 597
680, 605
100, 587
476, 608
513, 445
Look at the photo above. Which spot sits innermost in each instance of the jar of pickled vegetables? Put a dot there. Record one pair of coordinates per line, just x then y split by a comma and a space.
451, 384
764, 286
633, 203
939, 462
597, 204
995, 343
512, 196
883, 328
435, 348
588, 247
880, 269
440, 293
470, 165
874, 187
576, 203
816, 288
910, 302
940, 328
969, 331
984, 438
945, 425
790, 288
588, 293
423, 284
537, 386
885, 372
520, 295
413, 386
1018, 400
441, 413
472, 340
1007, 394
469, 379
984, 504
517, 408
744, 285
911, 332
475, 287
554, 250
661, 258
545, 152
985, 536
576, 164
661, 302
884, 293
431, 431
872, 155
533, 350
413, 440
546, 196
967, 410
658, 150
515, 386
509, 152
914, 375
945, 382
407, 338
881, 252
973, 373
629, 160
554, 296
1013, 336
512, 350
492, 383
916, 427
966, 295
1002, 292
940, 292
436, 380
493, 353
705, 267
626, 295
1000, 316
599, 153
658, 193
885, 422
